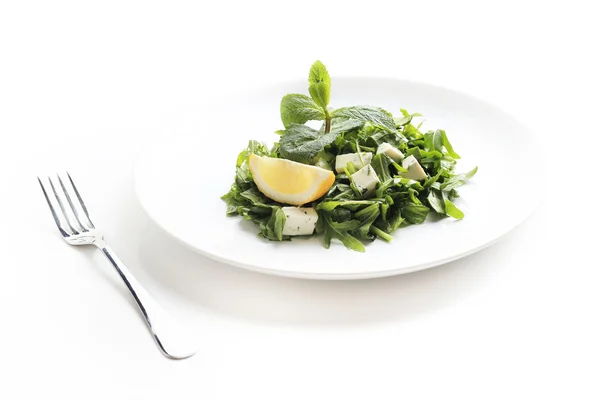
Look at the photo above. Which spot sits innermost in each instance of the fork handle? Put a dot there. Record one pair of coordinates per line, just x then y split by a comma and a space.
170, 337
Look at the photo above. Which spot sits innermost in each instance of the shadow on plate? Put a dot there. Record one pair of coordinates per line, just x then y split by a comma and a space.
238, 293
232, 292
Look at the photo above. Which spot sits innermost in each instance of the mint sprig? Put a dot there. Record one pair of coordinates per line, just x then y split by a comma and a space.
299, 108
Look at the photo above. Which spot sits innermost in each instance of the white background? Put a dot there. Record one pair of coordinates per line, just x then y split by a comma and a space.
84, 85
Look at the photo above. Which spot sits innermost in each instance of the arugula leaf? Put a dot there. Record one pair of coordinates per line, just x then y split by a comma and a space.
367, 216
340, 231
375, 115
415, 213
407, 114
436, 201
254, 147
302, 143
381, 164
452, 210
458, 180
278, 223
402, 121
254, 196
447, 145
392, 222
299, 108
433, 141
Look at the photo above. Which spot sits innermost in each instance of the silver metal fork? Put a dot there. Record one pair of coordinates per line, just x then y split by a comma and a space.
76, 227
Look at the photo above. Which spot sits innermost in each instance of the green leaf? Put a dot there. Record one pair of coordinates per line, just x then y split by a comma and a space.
367, 216
319, 84
392, 222
327, 236
471, 173
318, 73
299, 108
433, 141
345, 126
278, 223
415, 213
447, 145
302, 143
436, 201
458, 180
430, 181
401, 121
320, 92
411, 132
254, 147
406, 113
340, 231
412, 195
453, 211
375, 115
381, 164
254, 196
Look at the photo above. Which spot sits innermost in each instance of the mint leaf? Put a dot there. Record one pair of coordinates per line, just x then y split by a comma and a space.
319, 84
299, 108
318, 73
302, 143
320, 92
348, 125
375, 115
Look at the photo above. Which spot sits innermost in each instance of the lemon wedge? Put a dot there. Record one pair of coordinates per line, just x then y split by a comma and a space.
288, 181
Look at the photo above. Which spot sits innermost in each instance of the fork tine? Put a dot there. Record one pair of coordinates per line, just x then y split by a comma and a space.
75, 212
52, 210
83, 207
62, 207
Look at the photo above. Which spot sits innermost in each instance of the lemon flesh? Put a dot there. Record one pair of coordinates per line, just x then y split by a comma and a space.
288, 181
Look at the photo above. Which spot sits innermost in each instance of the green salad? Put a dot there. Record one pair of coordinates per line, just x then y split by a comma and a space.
376, 172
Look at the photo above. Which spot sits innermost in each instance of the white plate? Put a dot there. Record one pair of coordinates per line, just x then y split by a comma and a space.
179, 182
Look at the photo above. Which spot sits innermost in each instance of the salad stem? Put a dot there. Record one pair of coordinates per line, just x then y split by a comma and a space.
327, 124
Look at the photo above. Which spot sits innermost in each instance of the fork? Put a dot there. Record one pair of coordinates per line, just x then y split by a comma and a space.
77, 229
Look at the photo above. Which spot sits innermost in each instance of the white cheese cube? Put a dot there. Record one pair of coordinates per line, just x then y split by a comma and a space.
299, 220
414, 169
390, 151
366, 179
343, 159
